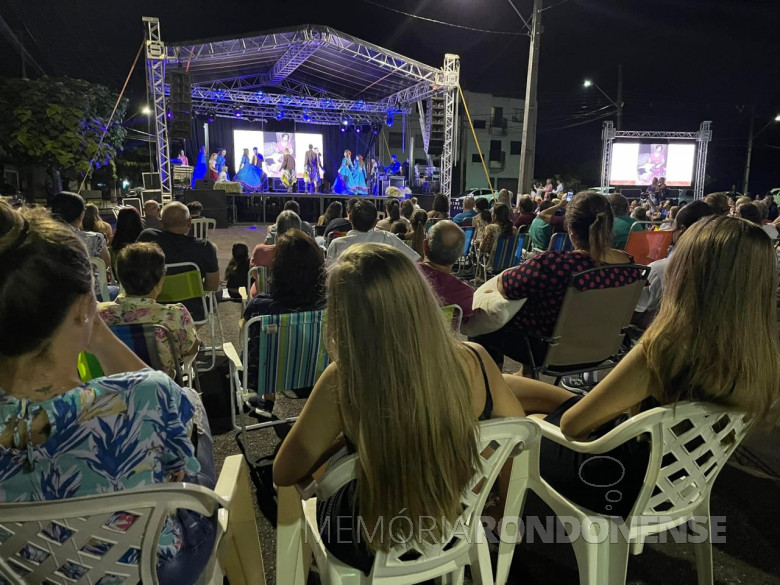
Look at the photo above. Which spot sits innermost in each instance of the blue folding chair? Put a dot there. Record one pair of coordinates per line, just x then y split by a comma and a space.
465, 258
560, 242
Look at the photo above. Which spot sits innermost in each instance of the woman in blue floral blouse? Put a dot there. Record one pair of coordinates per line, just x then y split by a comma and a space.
60, 438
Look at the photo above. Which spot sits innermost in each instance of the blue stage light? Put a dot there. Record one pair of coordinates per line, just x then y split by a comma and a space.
260, 94
344, 120
306, 116
360, 104
237, 113
279, 114
390, 119
357, 128
343, 129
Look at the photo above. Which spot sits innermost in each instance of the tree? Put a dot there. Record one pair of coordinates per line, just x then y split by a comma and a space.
58, 123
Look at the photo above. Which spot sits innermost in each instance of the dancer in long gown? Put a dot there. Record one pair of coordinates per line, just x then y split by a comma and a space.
201, 167
222, 160
248, 174
213, 172
358, 186
341, 187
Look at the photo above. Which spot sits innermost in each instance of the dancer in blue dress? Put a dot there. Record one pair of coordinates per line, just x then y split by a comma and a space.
341, 187
222, 161
248, 174
358, 185
201, 167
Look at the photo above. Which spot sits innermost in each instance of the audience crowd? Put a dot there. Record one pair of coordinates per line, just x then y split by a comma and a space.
402, 384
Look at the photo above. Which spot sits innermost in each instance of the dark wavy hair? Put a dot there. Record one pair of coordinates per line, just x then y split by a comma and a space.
36, 251
128, 227
502, 217
297, 271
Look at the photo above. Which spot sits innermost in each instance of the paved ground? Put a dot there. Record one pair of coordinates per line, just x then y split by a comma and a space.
746, 494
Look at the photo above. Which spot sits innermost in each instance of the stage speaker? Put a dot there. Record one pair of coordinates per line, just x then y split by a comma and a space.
204, 184
180, 83
214, 204
151, 181
436, 139
399, 182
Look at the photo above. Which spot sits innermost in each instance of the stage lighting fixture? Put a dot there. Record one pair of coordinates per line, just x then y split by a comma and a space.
306, 116
357, 128
343, 129
169, 115
279, 114
374, 129
287, 98
390, 119
237, 113
360, 104
344, 120
146, 110
210, 119
260, 94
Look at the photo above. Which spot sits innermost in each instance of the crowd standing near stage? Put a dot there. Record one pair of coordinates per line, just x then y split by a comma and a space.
375, 272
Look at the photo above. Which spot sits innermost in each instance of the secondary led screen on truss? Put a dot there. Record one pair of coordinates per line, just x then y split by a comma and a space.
271, 145
638, 163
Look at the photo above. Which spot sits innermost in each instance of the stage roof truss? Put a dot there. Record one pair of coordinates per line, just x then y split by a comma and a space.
311, 74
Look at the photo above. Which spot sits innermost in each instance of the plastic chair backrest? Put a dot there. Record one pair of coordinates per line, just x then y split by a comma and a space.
560, 242
89, 367
591, 322
648, 246
469, 231
100, 271
201, 227
504, 252
690, 444
291, 350
106, 538
145, 341
183, 282
497, 441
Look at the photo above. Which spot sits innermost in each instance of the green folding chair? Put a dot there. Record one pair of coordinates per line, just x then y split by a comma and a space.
454, 315
183, 282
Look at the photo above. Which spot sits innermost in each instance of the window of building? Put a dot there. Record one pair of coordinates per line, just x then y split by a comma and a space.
497, 155
495, 145
475, 158
497, 116
515, 147
480, 124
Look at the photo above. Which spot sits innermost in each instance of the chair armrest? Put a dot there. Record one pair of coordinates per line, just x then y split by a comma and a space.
232, 355
307, 487
337, 476
240, 554
612, 439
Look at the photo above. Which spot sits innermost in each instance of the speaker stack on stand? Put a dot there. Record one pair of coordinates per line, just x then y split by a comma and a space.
180, 83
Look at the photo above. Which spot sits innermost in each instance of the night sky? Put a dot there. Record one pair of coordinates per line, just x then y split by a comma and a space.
684, 61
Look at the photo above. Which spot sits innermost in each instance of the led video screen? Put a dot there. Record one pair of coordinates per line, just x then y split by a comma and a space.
638, 163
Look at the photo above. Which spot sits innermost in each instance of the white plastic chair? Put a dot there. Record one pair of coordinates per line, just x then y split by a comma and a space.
102, 276
689, 445
467, 544
45, 541
201, 227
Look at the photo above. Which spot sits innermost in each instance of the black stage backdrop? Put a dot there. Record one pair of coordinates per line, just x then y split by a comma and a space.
335, 142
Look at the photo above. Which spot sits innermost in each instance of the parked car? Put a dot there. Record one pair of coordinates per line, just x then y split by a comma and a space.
603, 190
480, 193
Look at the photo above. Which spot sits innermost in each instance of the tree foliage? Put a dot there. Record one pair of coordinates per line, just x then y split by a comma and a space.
58, 122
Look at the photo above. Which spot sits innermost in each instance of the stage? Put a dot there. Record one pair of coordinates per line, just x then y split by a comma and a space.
229, 214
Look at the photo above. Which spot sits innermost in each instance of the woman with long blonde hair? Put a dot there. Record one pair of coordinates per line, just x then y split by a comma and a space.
714, 340
406, 399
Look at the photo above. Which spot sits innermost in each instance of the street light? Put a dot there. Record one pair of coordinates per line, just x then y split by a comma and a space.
617, 104
146, 110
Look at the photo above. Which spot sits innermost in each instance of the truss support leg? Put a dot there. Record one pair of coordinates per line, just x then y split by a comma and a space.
155, 71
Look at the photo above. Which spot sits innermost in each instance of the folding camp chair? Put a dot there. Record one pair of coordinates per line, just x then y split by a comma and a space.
259, 275
560, 242
183, 282
507, 252
591, 325
290, 355
647, 246
467, 258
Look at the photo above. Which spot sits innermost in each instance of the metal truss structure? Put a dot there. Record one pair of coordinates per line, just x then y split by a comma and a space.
702, 139
452, 73
155, 71
314, 74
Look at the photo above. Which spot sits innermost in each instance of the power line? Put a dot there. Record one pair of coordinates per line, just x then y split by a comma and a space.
434, 21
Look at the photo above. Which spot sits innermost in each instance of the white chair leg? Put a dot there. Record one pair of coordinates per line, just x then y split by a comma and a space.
637, 546
509, 533
703, 550
454, 578
481, 571
602, 559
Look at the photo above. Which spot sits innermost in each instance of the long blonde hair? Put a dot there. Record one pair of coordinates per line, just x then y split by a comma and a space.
715, 336
403, 392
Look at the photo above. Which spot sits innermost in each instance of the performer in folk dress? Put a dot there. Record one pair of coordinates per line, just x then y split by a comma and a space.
213, 172
289, 177
311, 169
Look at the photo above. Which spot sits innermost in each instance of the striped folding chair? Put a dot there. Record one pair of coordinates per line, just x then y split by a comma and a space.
290, 355
258, 274
466, 259
507, 252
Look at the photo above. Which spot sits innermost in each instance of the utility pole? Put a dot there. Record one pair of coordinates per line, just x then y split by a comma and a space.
749, 149
620, 98
530, 111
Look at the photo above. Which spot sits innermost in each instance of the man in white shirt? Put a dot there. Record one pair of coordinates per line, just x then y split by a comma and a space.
559, 188
363, 218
